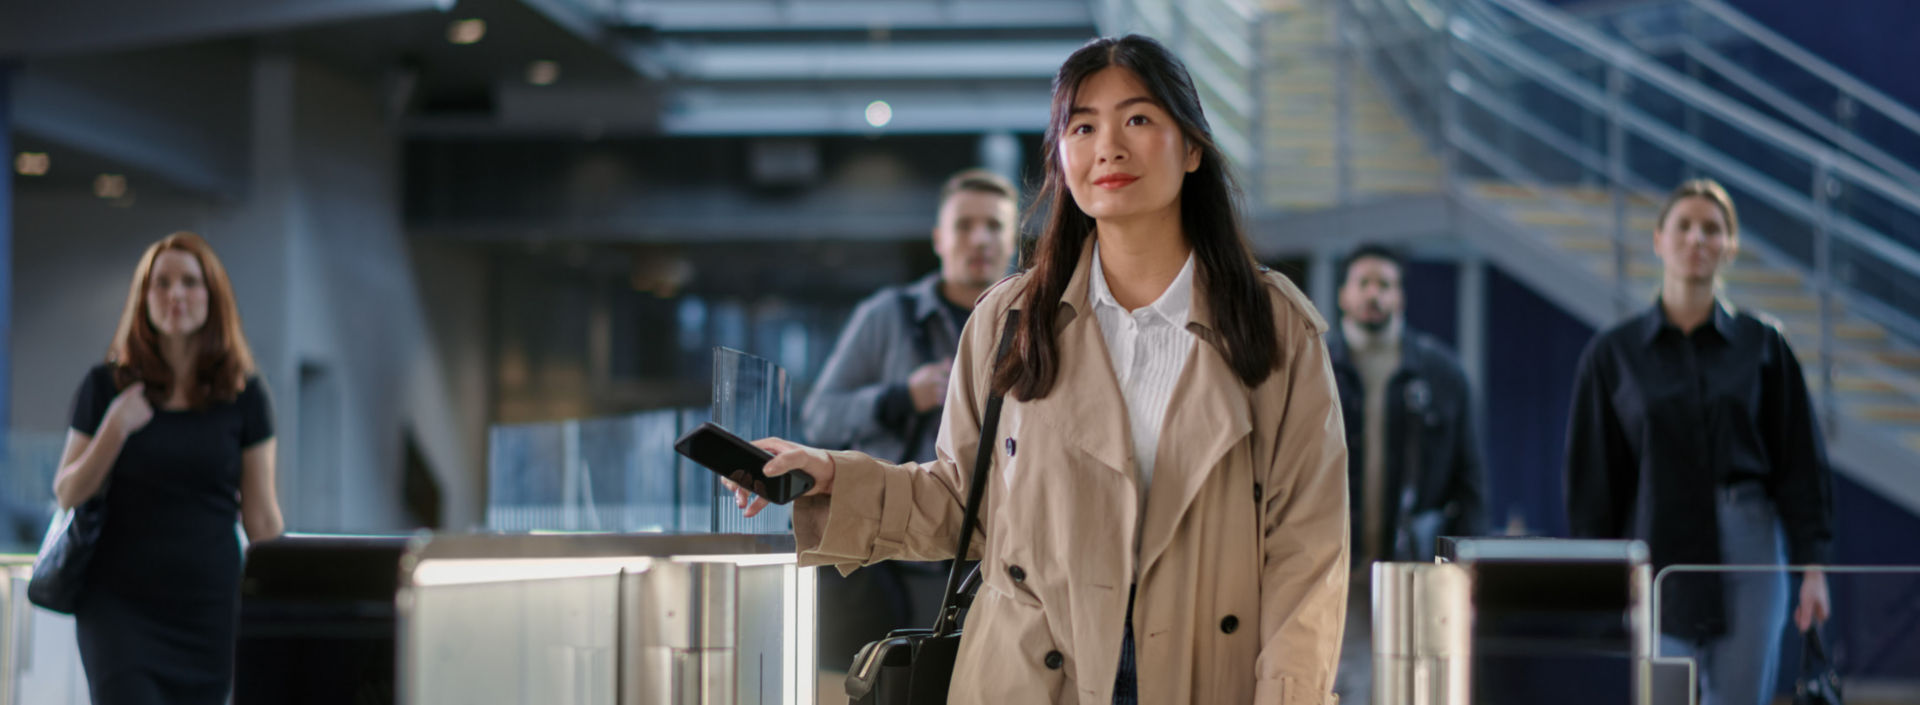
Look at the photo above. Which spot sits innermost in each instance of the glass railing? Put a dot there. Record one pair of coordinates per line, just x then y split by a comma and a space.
621, 474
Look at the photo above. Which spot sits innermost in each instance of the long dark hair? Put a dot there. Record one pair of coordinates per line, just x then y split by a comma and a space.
1208, 214
224, 360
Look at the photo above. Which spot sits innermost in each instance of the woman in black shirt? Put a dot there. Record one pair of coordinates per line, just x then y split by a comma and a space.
1691, 430
174, 436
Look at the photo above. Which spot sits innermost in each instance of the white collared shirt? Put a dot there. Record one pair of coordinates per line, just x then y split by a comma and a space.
1148, 346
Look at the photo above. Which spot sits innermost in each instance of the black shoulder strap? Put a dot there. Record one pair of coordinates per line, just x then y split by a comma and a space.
922, 341
949, 619
923, 354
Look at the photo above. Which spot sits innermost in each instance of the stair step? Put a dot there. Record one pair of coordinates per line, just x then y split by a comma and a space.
1579, 194
1395, 163
1757, 275
1285, 124
1779, 304
1856, 385
1889, 413
1561, 218
1364, 181
1804, 332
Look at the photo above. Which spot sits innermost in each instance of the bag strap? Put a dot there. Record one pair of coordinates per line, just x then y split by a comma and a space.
949, 615
1813, 654
923, 351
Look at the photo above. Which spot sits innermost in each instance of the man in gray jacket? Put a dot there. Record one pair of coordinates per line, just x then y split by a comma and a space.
882, 390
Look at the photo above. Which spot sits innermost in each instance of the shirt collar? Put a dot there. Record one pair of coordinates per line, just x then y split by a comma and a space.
1654, 320
1175, 305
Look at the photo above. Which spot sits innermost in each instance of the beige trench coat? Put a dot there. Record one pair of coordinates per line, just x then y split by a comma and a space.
1241, 561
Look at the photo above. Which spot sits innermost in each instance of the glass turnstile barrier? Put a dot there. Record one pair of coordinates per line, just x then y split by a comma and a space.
1872, 637
638, 619
621, 474
1521, 620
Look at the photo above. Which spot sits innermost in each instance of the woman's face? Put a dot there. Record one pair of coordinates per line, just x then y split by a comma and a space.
176, 294
1122, 154
1694, 240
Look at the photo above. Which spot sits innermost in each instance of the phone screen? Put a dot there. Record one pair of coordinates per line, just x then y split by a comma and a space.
735, 459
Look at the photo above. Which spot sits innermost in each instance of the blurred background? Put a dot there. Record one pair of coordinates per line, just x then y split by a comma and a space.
446, 217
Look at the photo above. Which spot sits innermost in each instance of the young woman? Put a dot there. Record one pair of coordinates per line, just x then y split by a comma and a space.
1691, 430
175, 434
1168, 484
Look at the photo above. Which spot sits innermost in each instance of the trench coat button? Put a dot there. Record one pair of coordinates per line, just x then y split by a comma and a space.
1055, 660
1010, 446
1018, 574
1258, 491
1228, 625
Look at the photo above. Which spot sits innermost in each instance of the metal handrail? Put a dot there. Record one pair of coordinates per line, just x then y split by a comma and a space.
1841, 80
1681, 144
1778, 100
1236, 134
1587, 157
1723, 108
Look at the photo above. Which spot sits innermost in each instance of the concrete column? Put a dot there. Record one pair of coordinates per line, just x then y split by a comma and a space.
1470, 299
1000, 154
1323, 282
6, 248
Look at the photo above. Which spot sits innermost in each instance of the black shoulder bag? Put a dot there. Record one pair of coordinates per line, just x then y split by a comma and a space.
60, 570
915, 666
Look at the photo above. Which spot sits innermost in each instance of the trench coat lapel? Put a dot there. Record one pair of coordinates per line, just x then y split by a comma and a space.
1090, 414
1206, 417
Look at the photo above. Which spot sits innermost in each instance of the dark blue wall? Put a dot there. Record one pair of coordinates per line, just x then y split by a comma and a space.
1532, 348
1871, 39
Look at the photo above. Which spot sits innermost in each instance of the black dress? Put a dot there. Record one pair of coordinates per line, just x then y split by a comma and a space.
156, 622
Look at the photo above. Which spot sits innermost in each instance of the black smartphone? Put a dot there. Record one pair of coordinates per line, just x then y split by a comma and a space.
729, 456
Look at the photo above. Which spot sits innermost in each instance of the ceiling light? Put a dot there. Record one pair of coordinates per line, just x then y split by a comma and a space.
466, 31
543, 73
879, 113
32, 164
110, 186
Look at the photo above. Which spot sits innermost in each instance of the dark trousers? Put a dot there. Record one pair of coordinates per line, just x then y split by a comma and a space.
1126, 690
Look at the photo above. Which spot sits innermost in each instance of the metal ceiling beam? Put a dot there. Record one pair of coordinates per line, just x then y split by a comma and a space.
77, 26
739, 109
142, 136
829, 61
853, 15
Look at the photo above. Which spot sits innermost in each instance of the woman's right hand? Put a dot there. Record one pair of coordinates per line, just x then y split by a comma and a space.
787, 457
130, 411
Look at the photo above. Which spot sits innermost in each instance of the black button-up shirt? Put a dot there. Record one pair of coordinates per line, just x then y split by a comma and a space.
1662, 419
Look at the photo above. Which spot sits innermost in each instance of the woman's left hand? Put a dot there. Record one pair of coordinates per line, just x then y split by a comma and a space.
1814, 606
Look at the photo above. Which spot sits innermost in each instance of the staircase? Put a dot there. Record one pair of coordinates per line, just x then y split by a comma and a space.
1874, 375
1309, 115
1552, 143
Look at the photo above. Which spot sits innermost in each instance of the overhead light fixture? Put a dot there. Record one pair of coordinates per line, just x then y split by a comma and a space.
543, 72
469, 31
32, 164
110, 186
879, 113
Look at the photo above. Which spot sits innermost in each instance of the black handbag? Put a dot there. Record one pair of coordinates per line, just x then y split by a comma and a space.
915, 666
1819, 681
60, 569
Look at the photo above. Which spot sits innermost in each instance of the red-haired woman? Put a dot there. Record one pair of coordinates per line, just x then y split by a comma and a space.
174, 434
